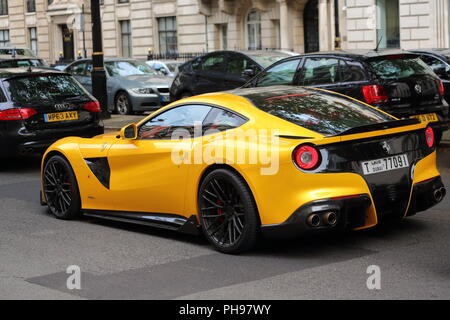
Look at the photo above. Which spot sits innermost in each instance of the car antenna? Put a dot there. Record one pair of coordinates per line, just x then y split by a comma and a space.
378, 44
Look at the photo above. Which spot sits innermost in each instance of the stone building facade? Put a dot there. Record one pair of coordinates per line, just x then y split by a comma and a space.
57, 28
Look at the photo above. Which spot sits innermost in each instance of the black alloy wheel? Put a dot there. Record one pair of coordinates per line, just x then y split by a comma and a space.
61, 188
228, 212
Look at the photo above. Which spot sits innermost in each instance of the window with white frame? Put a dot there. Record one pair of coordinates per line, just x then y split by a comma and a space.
167, 35
3, 7
4, 38
388, 24
125, 38
223, 36
254, 30
32, 34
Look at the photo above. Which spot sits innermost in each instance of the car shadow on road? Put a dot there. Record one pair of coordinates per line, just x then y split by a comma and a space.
315, 244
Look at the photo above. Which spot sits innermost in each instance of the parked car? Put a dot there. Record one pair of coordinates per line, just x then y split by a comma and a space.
221, 70
439, 61
17, 51
40, 106
342, 165
165, 67
397, 82
7, 61
133, 87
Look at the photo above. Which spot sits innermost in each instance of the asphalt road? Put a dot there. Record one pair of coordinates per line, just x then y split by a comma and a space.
126, 261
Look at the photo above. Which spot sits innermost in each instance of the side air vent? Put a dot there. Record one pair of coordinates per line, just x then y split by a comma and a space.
100, 168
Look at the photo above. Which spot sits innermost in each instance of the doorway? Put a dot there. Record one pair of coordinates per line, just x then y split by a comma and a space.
68, 43
311, 26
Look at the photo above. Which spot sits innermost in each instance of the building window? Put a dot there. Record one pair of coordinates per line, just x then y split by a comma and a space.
254, 30
223, 36
167, 34
32, 33
125, 37
123, 1
31, 5
388, 25
49, 2
4, 38
3, 7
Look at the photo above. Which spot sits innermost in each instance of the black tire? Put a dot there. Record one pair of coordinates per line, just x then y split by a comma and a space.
228, 213
122, 104
61, 189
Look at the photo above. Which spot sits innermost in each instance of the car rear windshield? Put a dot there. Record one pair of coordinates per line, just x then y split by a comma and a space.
43, 88
399, 67
22, 63
327, 114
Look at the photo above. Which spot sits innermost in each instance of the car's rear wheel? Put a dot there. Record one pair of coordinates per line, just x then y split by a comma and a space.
61, 188
123, 104
228, 212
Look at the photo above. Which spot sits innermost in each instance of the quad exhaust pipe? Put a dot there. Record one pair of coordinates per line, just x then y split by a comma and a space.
329, 219
439, 194
313, 220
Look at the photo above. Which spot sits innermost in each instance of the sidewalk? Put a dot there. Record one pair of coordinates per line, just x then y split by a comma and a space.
118, 121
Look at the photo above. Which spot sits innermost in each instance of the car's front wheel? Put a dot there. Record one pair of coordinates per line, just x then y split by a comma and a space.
61, 188
228, 212
123, 104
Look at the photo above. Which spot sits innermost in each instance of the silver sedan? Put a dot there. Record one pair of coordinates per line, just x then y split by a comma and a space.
133, 87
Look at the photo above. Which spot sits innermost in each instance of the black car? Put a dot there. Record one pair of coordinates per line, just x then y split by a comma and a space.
397, 82
40, 106
439, 61
7, 61
221, 70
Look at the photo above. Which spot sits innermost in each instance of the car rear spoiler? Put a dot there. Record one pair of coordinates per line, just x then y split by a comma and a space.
379, 126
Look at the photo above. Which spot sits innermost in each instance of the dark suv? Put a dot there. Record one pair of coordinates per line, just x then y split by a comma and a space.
40, 106
397, 82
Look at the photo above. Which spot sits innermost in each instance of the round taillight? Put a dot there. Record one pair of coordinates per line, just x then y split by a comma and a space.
429, 137
306, 157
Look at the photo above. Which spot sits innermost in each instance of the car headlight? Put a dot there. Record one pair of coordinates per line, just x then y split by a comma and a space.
143, 90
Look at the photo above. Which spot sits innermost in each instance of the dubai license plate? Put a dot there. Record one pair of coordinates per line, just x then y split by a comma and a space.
427, 117
61, 116
385, 164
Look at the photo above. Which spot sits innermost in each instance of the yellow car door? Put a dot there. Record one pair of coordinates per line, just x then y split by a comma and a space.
149, 174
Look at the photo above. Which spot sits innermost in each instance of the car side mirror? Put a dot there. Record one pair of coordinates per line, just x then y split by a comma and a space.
129, 132
248, 73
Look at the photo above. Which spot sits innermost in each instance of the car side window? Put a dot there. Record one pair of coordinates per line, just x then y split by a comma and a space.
221, 120
282, 73
174, 122
437, 65
236, 64
214, 63
317, 71
351, 71
77, 69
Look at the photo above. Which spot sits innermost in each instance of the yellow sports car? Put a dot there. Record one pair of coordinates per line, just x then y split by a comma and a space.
238, 164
